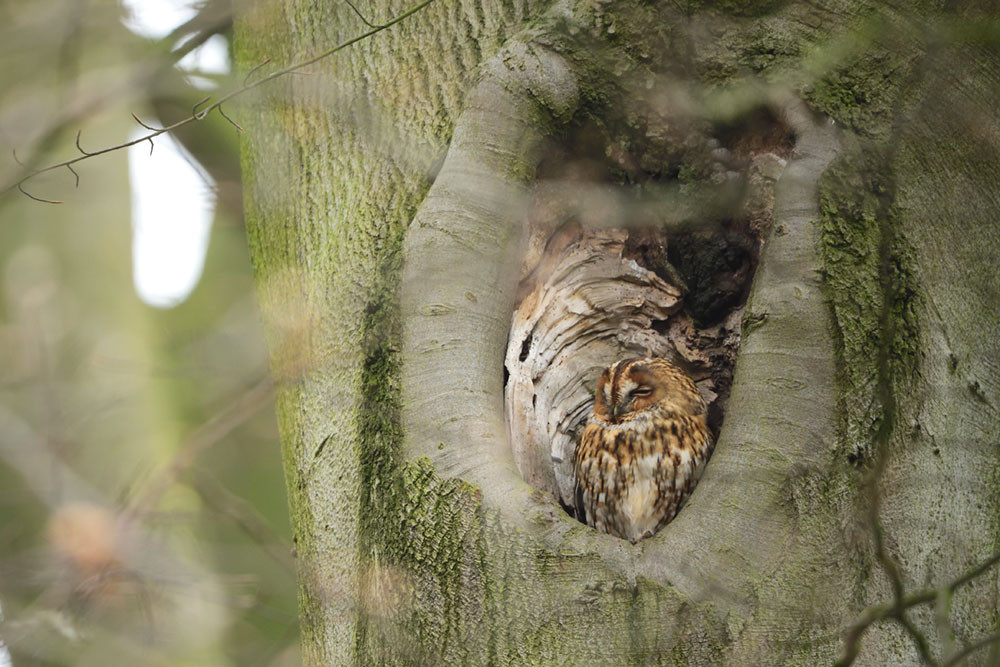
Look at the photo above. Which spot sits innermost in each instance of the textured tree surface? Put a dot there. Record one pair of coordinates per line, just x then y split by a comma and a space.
387, 194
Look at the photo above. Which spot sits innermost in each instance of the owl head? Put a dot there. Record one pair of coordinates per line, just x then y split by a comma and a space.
634, 389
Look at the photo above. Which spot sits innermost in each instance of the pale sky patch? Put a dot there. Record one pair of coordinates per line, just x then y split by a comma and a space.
173, 199
173, 202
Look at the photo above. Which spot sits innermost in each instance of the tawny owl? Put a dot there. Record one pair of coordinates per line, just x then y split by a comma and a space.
643, 448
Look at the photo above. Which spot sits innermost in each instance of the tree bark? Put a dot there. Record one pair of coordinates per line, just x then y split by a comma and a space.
866, 359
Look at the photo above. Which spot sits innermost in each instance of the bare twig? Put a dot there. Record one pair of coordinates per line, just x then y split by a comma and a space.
78, 146
31, 196
889, 564
194, 109
213, 18
148, 127
974, 572
196, 116
892, 611
923, 649
239, 128
360, 15
242, 514
246, 79
970, 649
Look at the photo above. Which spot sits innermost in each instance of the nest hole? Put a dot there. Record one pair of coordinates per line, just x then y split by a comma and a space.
631, 257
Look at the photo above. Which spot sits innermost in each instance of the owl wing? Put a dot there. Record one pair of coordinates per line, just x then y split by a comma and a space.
596, 473
583, 471
688, 446
579, 512
667, 466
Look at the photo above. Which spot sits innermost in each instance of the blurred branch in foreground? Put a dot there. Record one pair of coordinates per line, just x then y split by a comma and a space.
199, 111
239, 411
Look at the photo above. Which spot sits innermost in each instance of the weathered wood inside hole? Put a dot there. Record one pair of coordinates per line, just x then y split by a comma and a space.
589, 297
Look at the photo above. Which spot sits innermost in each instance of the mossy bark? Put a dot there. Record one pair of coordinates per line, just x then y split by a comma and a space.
867, 329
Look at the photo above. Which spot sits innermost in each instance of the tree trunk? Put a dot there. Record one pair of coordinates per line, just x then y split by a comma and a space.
386, 198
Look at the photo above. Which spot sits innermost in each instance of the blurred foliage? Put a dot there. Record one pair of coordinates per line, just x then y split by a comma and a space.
143, 517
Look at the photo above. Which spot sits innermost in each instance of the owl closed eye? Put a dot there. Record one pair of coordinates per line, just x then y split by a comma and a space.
643, 449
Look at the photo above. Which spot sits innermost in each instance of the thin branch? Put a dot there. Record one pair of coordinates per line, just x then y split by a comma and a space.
974, 572
852, 642
891, 568
890, 611
243, 514
970, 649
151, 146
215, 429
942, 620
79, 147
31, 196
247, 87
918, 638
881, 553
239, 128
99, 99
148, 127
76, 175
896, 610
360, 15
246, 79
214, 18
194, 109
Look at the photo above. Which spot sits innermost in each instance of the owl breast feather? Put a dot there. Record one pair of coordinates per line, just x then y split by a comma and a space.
632, 483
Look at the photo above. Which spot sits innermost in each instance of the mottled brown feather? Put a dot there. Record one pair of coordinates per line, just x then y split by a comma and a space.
643, 449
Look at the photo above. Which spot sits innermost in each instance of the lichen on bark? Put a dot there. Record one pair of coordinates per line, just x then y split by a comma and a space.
867, 268
417, 540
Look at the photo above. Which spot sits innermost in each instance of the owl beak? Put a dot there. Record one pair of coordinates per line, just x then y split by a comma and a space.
616, 411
